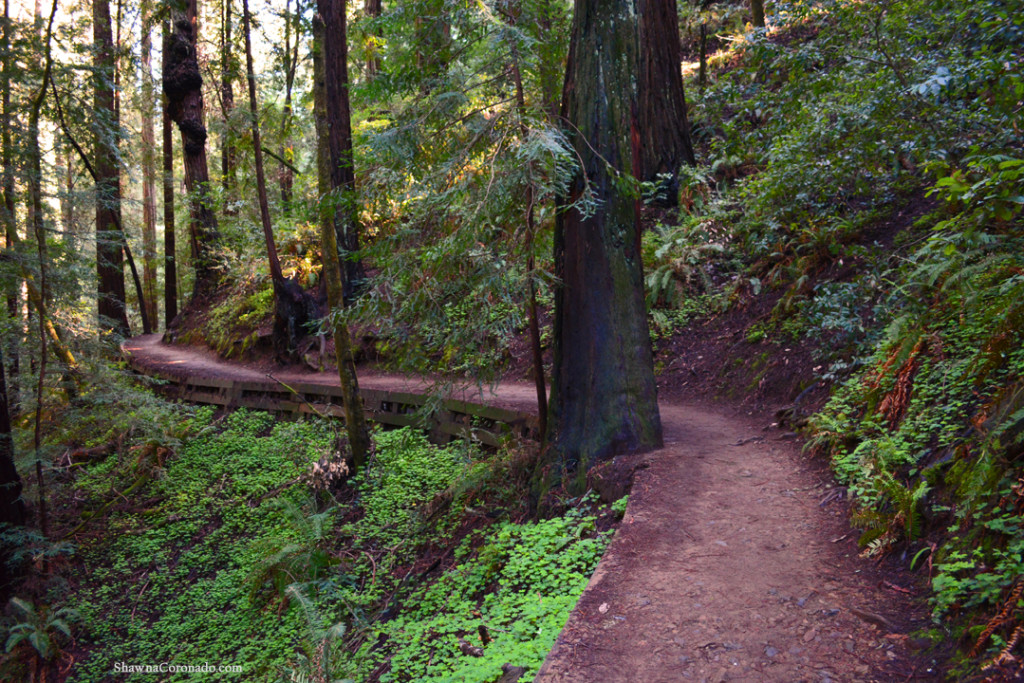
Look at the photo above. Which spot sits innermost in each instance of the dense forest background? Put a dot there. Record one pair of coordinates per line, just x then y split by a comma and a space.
818, 211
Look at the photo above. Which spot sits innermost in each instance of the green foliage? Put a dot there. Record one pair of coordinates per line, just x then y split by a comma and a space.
42, 628
405, 475
517, 584
224, 556
174, 582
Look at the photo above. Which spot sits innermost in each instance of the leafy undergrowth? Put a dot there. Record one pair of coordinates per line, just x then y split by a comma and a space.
243, 545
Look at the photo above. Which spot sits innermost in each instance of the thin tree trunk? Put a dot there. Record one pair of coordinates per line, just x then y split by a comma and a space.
170, 264
291, 57
531, 230
182, 83
331, 21
261, 183
372, 9
126, 251
10, 226
113, 315
36, 199
603, 395
227, 93
702, 78
149, 255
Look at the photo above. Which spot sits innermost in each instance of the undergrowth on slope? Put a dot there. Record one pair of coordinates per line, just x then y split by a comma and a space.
235, 542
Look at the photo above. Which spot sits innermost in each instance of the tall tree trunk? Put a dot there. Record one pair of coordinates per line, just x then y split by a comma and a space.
182, 84
261, 183
36, 199
603, 396
372, 9
528, 245
229, 178
170, 263
757, 13
113, 315
13, 300
663, 125
149, 254
333, 118
339, 144
291, 58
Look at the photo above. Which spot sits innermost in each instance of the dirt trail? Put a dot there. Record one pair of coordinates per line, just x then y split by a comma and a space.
728, 565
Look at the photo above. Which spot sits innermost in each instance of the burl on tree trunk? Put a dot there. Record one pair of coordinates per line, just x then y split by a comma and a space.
182, 84
604, 398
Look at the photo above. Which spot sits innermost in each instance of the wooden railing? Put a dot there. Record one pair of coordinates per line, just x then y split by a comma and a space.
446, 419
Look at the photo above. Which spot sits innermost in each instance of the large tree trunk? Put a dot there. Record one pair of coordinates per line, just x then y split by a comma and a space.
330, 120
149, 255
182, 84
664, 128
13, 300
603, 397
113, 315
339, 144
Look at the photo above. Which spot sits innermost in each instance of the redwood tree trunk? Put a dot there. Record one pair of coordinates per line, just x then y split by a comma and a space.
339, 143
182, 84
331, 212
603, 397
227, 93
109, 238
170, 265
149, 254
13, 300
664, 128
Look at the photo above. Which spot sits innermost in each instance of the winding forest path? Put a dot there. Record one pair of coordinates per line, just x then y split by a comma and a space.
734, 561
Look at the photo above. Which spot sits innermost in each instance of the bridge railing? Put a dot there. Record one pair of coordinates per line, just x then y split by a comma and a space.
448, 419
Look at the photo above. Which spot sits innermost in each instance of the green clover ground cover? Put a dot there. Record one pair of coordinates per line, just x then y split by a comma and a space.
227, 558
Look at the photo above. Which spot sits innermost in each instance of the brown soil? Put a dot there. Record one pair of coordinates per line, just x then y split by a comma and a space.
734, 562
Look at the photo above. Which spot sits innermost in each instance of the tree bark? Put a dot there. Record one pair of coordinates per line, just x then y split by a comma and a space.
339, 144
170, 264
113, 314
182, 84
13, 300
149, 254
227, 92
332, 211
663, 124
261, 182
291, 59
12, 508
603, 397
757, 13
372, 9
